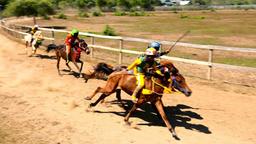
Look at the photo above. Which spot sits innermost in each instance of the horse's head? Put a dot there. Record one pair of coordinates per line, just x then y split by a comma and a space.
178, 82
83, 45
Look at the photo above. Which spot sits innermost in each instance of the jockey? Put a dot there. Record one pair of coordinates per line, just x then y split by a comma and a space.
33, 30
37, 40
70, 41
140, 67
156, 45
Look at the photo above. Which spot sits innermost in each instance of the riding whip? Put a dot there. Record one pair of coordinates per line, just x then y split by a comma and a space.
186, 33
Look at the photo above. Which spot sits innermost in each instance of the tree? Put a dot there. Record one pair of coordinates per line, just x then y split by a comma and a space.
4, 2
85, 4
29, 8
123, 4
100, 3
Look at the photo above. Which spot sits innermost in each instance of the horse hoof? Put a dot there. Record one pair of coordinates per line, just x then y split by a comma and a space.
127, 123
175, 136
91, 105
88, 98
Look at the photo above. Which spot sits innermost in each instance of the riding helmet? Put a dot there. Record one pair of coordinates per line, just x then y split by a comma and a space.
155, 45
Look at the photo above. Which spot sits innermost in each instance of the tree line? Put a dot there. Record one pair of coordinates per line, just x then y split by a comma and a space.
46, 7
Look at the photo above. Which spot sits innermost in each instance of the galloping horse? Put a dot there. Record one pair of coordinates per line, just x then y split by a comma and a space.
157, 84
35, 43
60, 51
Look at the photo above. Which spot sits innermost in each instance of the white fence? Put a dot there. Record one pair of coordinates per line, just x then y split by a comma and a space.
122, 51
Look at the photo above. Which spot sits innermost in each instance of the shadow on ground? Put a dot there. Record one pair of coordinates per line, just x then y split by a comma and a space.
42, 56
179, 116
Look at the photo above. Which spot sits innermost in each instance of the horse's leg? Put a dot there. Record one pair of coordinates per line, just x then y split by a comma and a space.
155, 109
118, 96
99, 89
134, 107
26, 48
81, 68
69, 67
74, 62
98, 100
159, 106
58, 64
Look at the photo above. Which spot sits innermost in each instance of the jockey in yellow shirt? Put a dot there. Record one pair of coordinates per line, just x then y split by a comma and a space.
157, 45
140, 67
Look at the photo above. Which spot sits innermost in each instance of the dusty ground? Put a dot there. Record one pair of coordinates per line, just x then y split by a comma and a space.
39, 107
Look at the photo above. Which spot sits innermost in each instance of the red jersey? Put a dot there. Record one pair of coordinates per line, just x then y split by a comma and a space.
70, 40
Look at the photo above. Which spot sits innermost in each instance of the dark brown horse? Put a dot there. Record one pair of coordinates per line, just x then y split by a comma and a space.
171, 78
60, 51
102, 71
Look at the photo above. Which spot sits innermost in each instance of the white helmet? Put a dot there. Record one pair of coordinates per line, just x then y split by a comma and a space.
151, 52
36, 26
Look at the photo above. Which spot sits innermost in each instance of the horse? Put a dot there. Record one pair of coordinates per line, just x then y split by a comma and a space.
60, 52
157, 84
28, 39
102, 71
30, 42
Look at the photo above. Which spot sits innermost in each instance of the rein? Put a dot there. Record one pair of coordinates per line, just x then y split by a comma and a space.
164, 87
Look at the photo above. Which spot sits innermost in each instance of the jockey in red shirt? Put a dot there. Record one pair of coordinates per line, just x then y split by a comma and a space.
70, 41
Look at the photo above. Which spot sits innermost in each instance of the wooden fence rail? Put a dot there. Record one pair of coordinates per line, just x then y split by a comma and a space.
122, 51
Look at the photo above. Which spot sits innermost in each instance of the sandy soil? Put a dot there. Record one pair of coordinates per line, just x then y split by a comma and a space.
39, 107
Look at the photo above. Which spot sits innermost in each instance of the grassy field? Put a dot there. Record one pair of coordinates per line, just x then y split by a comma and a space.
227, 27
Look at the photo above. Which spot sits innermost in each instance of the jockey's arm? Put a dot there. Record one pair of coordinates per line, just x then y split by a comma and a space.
135, 63
163, 53
68, 41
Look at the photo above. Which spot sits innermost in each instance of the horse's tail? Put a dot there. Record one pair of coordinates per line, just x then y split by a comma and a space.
105, 68
102, 71
51, 47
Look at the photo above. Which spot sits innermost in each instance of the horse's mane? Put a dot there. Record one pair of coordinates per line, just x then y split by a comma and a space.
104, 68
170, 65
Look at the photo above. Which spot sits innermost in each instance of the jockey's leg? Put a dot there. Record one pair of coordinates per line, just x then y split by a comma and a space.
140, 85
68, 49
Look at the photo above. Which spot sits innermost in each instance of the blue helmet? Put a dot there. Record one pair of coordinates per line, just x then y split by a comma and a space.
155, 45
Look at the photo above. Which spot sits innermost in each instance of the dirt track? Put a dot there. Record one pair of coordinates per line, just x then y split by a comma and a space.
39, 107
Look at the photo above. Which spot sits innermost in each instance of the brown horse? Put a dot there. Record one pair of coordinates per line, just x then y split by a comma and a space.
60, 51
171, 78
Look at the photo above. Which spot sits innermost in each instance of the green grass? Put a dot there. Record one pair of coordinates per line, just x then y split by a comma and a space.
249, 62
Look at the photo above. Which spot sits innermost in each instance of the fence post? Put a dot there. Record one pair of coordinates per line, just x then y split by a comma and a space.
120, 52
53, 36
92, 42
210, 58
